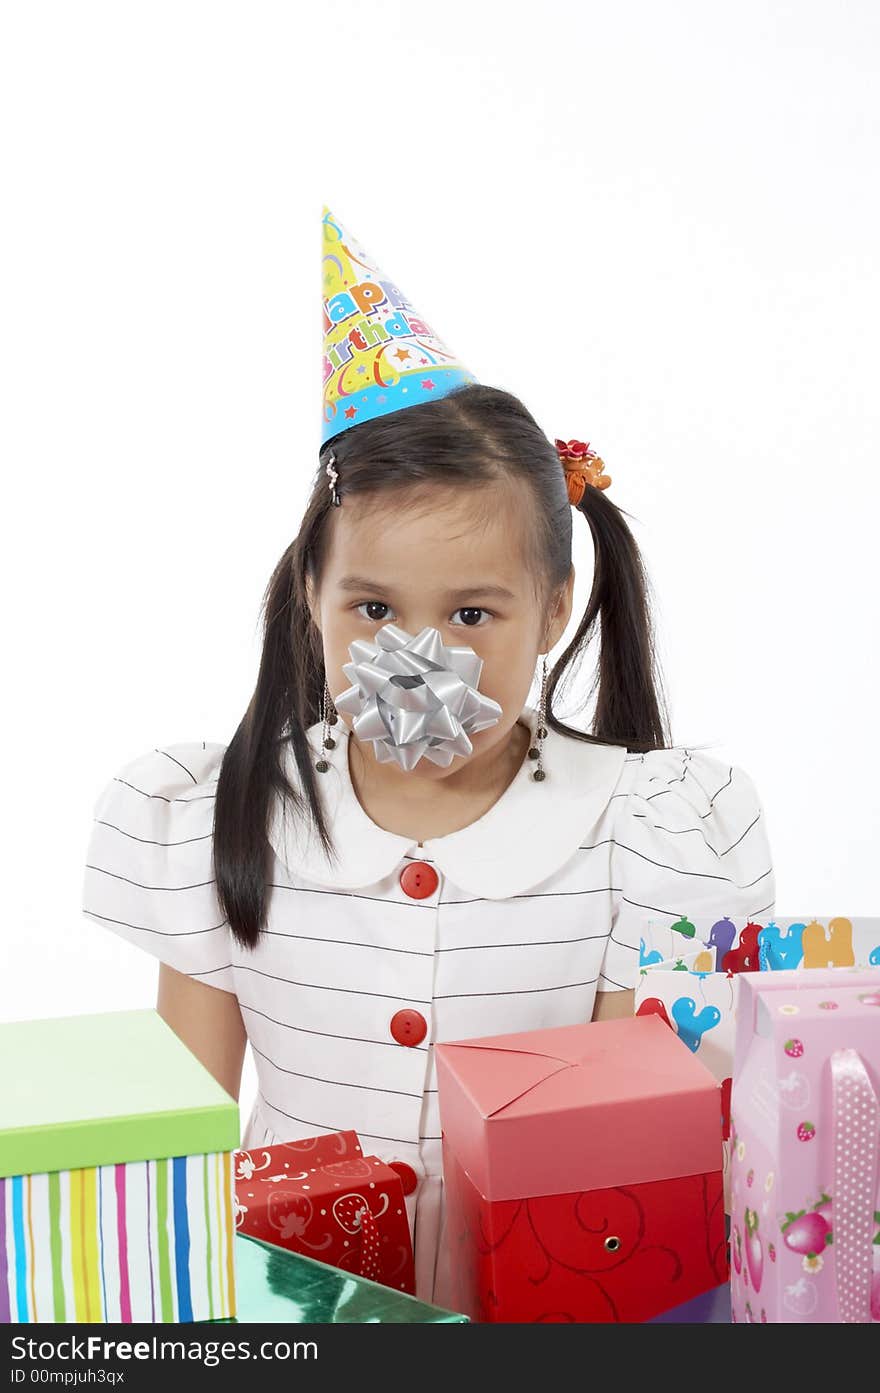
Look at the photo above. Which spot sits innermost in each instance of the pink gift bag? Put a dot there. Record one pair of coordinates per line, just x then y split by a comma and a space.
805, 1147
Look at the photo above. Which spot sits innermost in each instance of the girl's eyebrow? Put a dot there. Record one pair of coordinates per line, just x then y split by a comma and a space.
361, 583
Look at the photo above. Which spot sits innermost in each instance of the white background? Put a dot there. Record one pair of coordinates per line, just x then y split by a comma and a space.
657, 223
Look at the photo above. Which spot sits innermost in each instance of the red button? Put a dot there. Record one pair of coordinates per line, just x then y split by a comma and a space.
419, 880
409, 1027
407, 1175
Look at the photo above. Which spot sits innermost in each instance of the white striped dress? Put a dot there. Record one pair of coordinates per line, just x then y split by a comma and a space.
537, 905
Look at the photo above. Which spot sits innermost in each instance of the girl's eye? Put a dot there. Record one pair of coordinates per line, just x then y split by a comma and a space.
378, 613
372, 606
469, 620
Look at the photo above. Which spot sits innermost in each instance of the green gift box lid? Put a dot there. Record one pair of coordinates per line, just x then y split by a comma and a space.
98, 1090
274, 1284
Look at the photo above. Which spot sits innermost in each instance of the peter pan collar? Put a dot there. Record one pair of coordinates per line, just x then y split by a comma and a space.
532, 829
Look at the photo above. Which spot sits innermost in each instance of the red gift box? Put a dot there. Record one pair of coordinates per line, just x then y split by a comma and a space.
583, 1173
322, 1197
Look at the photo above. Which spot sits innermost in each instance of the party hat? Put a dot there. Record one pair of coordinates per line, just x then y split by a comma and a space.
379, 354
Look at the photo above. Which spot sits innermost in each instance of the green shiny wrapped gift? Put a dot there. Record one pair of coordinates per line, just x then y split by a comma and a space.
273, 1284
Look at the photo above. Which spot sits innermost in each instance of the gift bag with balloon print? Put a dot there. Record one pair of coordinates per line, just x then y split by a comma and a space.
700, 1007
323, 1198
805, 1148
691, 969
724, 944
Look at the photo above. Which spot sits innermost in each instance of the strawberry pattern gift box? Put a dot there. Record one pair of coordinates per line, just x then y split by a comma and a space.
805, 1139
323, 1198
115, 1174
582, 1166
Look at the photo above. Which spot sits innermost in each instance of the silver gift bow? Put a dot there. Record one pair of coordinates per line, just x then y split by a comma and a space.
415, 697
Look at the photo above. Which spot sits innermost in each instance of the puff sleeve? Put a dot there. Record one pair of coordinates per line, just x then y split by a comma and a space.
690, 838
149, 873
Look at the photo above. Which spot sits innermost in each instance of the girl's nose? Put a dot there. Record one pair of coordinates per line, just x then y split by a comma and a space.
417, 623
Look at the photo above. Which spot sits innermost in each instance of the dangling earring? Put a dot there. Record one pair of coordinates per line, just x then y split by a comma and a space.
537, 750
330, 717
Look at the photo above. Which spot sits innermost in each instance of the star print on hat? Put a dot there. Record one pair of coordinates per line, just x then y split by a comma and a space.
379, 354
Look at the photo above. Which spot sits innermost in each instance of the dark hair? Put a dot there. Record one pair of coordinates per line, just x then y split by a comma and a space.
473, 437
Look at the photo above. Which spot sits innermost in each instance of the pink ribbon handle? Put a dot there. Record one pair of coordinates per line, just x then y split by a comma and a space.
856, 1136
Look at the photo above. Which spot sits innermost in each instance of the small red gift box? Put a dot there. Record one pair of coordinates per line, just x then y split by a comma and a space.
322, 1197
582, 1168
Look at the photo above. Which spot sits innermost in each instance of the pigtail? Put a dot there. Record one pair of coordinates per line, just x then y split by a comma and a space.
627, 682
284, 703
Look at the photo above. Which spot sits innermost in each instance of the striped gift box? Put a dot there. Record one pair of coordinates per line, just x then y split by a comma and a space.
116, 1176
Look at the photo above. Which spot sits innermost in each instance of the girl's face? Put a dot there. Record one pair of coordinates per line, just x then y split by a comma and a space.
440, 567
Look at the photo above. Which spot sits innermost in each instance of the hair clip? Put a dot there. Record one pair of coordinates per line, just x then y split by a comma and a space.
332, 476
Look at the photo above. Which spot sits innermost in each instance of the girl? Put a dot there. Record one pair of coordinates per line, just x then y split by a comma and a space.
342, 913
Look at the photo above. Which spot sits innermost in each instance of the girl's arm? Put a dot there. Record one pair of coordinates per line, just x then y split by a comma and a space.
610, 1006
209, 1023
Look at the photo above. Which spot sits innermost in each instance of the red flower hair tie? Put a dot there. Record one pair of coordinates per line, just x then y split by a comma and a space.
582, 467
